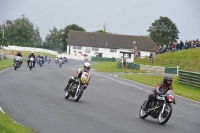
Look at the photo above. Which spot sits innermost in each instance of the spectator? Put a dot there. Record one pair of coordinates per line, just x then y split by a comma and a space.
164, 48
198, 43
173, 46
152, 55
177, 46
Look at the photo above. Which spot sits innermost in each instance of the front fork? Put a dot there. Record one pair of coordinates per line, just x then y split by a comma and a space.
163, 108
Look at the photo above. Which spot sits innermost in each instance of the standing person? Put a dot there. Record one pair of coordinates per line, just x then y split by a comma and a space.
152, 55
181, 45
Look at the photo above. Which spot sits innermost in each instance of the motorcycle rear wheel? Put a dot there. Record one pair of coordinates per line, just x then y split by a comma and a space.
142, 113
167, 112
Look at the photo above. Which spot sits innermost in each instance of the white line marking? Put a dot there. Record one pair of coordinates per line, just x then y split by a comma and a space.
195, 105
2, 110
122, 82
5, 69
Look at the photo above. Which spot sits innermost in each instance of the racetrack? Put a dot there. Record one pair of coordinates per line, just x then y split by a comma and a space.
109, 105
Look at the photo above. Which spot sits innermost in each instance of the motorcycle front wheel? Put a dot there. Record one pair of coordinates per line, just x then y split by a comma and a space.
142, 113
163, 118
78, 94
67, 94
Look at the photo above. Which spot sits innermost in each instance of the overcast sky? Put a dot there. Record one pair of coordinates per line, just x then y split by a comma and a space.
130, 17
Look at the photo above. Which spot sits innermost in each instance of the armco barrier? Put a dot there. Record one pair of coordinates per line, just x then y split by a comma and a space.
119, 64
189, 78
103, 59
133, 66
170, 70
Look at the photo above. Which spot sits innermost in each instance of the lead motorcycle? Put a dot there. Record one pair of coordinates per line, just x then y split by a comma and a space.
31, 63
77, 87
160, 108
17, 62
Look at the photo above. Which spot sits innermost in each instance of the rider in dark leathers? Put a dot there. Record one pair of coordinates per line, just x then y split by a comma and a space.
31, 55
161, 89
19, 54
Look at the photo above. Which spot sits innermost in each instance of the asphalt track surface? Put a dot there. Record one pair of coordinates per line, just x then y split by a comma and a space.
109, 105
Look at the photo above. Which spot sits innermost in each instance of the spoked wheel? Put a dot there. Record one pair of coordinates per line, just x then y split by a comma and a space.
78, 94
142, 113
163, 118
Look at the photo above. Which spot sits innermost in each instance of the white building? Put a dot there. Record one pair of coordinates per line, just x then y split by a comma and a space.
109, 45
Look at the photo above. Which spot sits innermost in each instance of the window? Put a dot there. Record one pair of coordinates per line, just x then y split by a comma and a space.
113, 50
77, 47
95, 49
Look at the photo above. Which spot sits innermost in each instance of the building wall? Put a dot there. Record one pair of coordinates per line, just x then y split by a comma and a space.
106, 52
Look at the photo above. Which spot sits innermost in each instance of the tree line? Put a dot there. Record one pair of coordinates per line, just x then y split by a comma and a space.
22, 32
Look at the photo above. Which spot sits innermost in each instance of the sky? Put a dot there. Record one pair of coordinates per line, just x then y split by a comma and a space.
127, 17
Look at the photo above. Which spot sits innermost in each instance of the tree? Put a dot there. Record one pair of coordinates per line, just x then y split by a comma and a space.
163, 31
21, 32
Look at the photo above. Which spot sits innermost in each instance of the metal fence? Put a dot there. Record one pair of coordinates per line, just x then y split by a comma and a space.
189, 78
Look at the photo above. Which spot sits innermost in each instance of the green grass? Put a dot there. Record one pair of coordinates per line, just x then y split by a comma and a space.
7, 125
5, 63
111, 67
189, 60
179, 89
27, 53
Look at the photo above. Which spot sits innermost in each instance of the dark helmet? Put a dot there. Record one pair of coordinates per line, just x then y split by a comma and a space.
168, 80
19, 53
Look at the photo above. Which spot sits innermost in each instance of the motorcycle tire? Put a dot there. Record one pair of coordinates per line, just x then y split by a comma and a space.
167, 117
67, 95
80, 92
143, 116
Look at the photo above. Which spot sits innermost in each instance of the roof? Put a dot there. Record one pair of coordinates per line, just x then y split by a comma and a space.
115, 41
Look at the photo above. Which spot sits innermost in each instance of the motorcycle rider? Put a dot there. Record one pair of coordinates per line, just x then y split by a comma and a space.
31, 55
79, 72
20, 55
161, 89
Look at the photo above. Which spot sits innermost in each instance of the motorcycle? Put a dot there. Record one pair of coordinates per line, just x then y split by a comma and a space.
77, 87
160, 108
17, 62
48, 60
38, 59
31, 63
60, 63
41, 62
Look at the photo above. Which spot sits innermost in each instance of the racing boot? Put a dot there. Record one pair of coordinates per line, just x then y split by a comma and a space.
66, 87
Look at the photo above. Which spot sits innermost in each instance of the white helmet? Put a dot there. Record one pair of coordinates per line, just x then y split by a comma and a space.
86, 67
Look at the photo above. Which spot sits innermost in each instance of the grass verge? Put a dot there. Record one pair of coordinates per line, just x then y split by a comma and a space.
7, 125
5, 63
112, 67
179, 89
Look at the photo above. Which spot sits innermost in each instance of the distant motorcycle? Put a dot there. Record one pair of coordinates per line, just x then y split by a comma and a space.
60, 63
160, 108
77, 87
41, 62
17, 62
48, 60
31, 63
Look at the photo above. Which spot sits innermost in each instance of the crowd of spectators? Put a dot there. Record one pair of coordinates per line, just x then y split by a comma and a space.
175, 46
